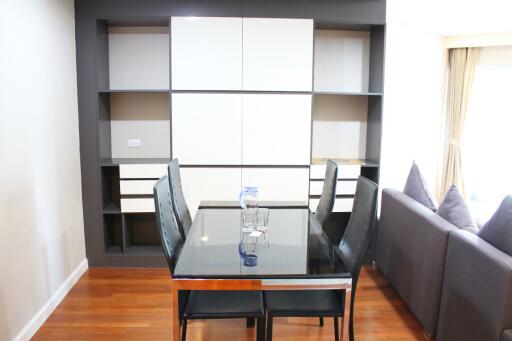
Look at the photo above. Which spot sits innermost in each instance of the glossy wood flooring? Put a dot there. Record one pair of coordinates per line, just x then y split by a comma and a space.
135, 304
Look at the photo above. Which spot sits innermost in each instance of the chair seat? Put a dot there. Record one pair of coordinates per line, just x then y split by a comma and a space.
304, 303
224, 304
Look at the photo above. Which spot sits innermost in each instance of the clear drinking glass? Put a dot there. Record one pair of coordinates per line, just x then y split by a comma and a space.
261, 219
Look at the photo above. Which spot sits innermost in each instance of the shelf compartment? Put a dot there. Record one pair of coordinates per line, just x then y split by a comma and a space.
139, 116
113, 233
138, 57
340, 127
141, 232
110, 190
342, 61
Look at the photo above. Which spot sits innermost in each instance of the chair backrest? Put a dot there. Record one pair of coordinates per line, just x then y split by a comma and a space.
326, 204
178, 199
356, 238
170, 236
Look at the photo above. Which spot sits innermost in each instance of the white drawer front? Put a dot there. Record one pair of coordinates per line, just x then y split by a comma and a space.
136, 186
340, 204
151, 171
344, 171
137, 205
342, 187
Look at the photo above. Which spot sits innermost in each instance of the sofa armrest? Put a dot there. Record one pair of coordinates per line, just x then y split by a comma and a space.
411, 249
506, 335
476, 302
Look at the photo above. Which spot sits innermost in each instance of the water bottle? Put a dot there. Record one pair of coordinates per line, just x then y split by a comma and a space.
249, 197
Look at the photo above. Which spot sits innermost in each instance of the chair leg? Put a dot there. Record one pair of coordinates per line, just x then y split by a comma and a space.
269, 328
184, 330
336, 330
351, 328
321, 321
251, 322
260, 329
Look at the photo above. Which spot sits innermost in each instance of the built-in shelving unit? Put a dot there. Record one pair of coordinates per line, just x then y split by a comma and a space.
239, 94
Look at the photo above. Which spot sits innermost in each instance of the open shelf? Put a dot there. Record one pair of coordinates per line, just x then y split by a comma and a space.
339, 127
362, 162
347, 93
105, 91
121, 161
138, 58
136, 116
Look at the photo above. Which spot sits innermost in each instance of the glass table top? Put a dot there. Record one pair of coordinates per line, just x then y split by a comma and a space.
294, 246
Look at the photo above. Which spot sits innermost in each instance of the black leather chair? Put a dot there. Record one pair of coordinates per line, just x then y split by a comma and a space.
351, 251
179, 204
324, 208
201, 304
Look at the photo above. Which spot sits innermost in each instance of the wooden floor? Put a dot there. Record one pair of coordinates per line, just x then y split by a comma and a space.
135, 304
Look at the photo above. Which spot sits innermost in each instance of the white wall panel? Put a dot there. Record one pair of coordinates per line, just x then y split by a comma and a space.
276, 129
209, 184
281, 184
277, 54
207, 128
136, 186
206, 53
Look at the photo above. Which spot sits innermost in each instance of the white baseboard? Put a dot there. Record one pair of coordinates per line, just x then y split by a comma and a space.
40, 317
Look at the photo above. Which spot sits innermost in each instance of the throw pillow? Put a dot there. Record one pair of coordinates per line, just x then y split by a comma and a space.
453, 208
417, 188
498, 230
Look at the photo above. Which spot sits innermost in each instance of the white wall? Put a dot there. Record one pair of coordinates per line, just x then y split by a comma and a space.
415, 83
41, 222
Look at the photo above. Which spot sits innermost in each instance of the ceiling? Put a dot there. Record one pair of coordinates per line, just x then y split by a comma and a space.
453, 17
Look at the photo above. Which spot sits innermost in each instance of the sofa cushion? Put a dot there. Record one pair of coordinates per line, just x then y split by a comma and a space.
417, 188
498, 230
454, 209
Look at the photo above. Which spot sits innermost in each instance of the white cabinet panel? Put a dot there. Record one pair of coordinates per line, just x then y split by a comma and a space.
344, 171
137, 205
277, 54
276, 129
139, 58
340, 204
343, 187
282, 184
209, 184
206, 53
140, 171
136, 186
206, 128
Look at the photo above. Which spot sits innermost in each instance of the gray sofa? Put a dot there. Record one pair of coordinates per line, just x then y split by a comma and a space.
476, 301
411, 253
457, 285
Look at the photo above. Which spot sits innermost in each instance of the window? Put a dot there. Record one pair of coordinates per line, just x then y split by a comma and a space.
487, 140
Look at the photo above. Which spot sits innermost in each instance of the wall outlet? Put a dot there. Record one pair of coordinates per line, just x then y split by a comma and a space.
134, 143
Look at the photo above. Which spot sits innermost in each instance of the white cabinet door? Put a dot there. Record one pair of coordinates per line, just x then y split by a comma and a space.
282, 184
206, 128
209, 184
277, 54
276, 129
206, 53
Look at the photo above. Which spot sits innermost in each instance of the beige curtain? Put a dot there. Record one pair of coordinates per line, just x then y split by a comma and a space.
460, 81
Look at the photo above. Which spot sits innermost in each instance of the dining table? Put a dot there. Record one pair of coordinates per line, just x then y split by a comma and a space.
293, 253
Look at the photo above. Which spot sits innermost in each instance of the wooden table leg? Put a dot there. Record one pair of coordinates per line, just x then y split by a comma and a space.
345, 334
175, 314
